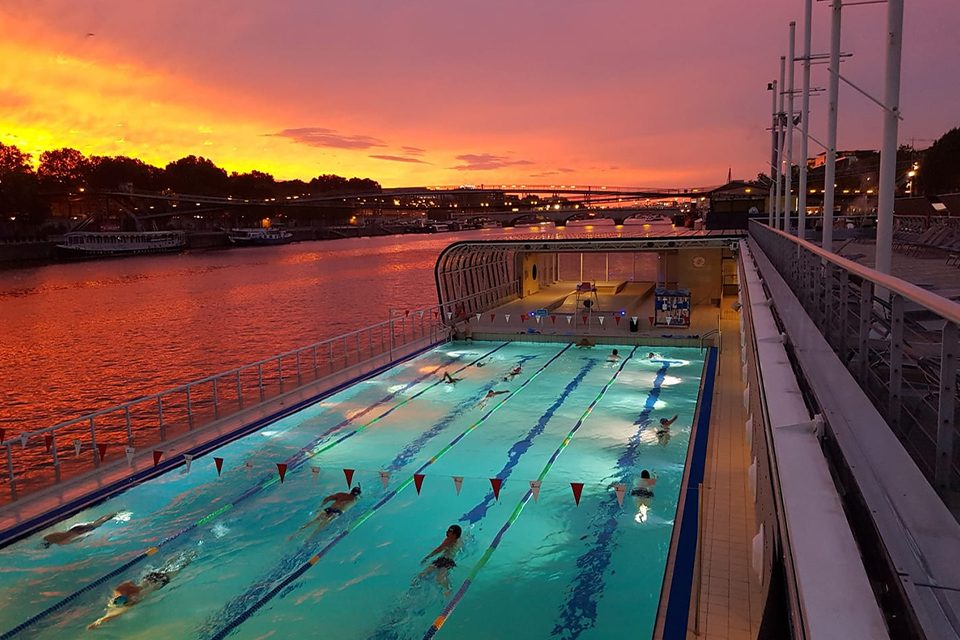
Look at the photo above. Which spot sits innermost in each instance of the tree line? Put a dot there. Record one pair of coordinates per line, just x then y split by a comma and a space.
26, 192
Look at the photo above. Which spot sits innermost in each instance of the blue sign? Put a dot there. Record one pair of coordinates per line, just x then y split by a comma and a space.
541, 313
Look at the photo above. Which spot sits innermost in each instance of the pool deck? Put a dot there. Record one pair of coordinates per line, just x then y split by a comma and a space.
729, 603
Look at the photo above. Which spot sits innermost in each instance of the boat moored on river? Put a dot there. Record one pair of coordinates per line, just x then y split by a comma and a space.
98, 244
259, 237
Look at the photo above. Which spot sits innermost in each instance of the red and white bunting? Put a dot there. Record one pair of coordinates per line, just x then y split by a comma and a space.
600, 319
420, 315
553, 319
585, 319
479, 315
535, 489
617, 320
384, 478
23, 440
577, 490
76, 447
418, 481
621, 490
507, 317
569, 319
282, 470
406, 313
436, 314
496, 483
348, 474
102, 450
523, 317
539, 319
156, 457
493, 317
187, 458
316, 473
129, 451
458, 483
48, 441
449, 315
219, 463
3, 433
634, 319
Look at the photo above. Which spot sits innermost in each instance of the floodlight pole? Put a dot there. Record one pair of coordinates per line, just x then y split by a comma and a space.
830, 170
776, 213
774, 170
804, 122
788, 175
886, 190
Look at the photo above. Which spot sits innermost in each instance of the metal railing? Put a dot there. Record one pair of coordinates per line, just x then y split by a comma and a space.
900, 342
35, 460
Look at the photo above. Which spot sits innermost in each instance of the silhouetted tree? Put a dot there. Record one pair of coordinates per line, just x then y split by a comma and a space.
940, 168
13, 160
255, 184
337, 184
196, 175
62, 169
19, 192
111, 172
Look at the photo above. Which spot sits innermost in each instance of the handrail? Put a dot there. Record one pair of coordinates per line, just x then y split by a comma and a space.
947, 309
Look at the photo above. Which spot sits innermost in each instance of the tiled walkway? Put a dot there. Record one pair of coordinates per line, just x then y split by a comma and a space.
729, 604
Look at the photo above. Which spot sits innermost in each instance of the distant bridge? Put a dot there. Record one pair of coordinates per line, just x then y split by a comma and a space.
560, 217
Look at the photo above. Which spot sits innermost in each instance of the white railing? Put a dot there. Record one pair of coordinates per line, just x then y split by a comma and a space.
40, 458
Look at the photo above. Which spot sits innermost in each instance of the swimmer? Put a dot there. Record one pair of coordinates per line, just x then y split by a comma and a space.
339, 502
126, 594
614, 356
517, 370
450, 379
486, 398
584, 343
663, 431
643, 492
654, 356
75, 532
445, 553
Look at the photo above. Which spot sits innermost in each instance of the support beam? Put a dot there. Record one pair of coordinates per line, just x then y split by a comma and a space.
804, 122
830, 170
788, 169
888, 152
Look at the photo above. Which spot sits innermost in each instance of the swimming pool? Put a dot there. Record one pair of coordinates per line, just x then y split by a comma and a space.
528, 568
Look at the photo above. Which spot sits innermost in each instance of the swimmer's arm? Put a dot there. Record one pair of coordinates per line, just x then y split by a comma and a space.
439, 548
111, 613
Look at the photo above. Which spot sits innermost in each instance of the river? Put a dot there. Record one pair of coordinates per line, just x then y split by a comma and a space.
83, 336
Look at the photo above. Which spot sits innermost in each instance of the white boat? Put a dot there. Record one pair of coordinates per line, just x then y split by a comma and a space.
95, 244
259, 237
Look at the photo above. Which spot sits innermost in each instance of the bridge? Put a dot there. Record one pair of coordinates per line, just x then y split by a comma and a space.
561, 216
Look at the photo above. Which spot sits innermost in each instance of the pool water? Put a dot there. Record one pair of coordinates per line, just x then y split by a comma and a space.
527, 568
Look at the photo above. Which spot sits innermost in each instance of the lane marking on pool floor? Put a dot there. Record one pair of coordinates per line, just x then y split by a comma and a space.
303, 568
458, 596
387, 628
293, 462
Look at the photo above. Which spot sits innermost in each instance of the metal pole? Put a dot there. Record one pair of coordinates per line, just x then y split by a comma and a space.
888, 153
780, 123
804, 122
830, 170
788, 175
774, 171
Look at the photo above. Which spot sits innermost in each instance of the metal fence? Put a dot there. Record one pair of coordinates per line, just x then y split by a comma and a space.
35, 460
899, 342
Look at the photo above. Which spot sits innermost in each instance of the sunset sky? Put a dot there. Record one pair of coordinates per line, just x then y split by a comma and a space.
448, 91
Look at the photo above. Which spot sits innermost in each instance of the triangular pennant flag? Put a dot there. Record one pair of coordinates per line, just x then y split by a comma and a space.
479, 316
420, 315
584, 319
535, 489
553, 319
23, 440
617, 320
523, 317
282, 470
102, 449
436, 314
219, 463
48, 441
507, 317
539, 319
2, 434
449, 314
384, 478
129, 451
495, 483
493, 317
569, 319
650, 319
458, 483
600, 318
156, 457
621, 490
577, 489
76, 447
348, 474
406, 313
316, 473
418, 481
188, 458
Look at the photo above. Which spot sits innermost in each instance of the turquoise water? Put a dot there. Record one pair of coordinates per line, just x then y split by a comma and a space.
527, 568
